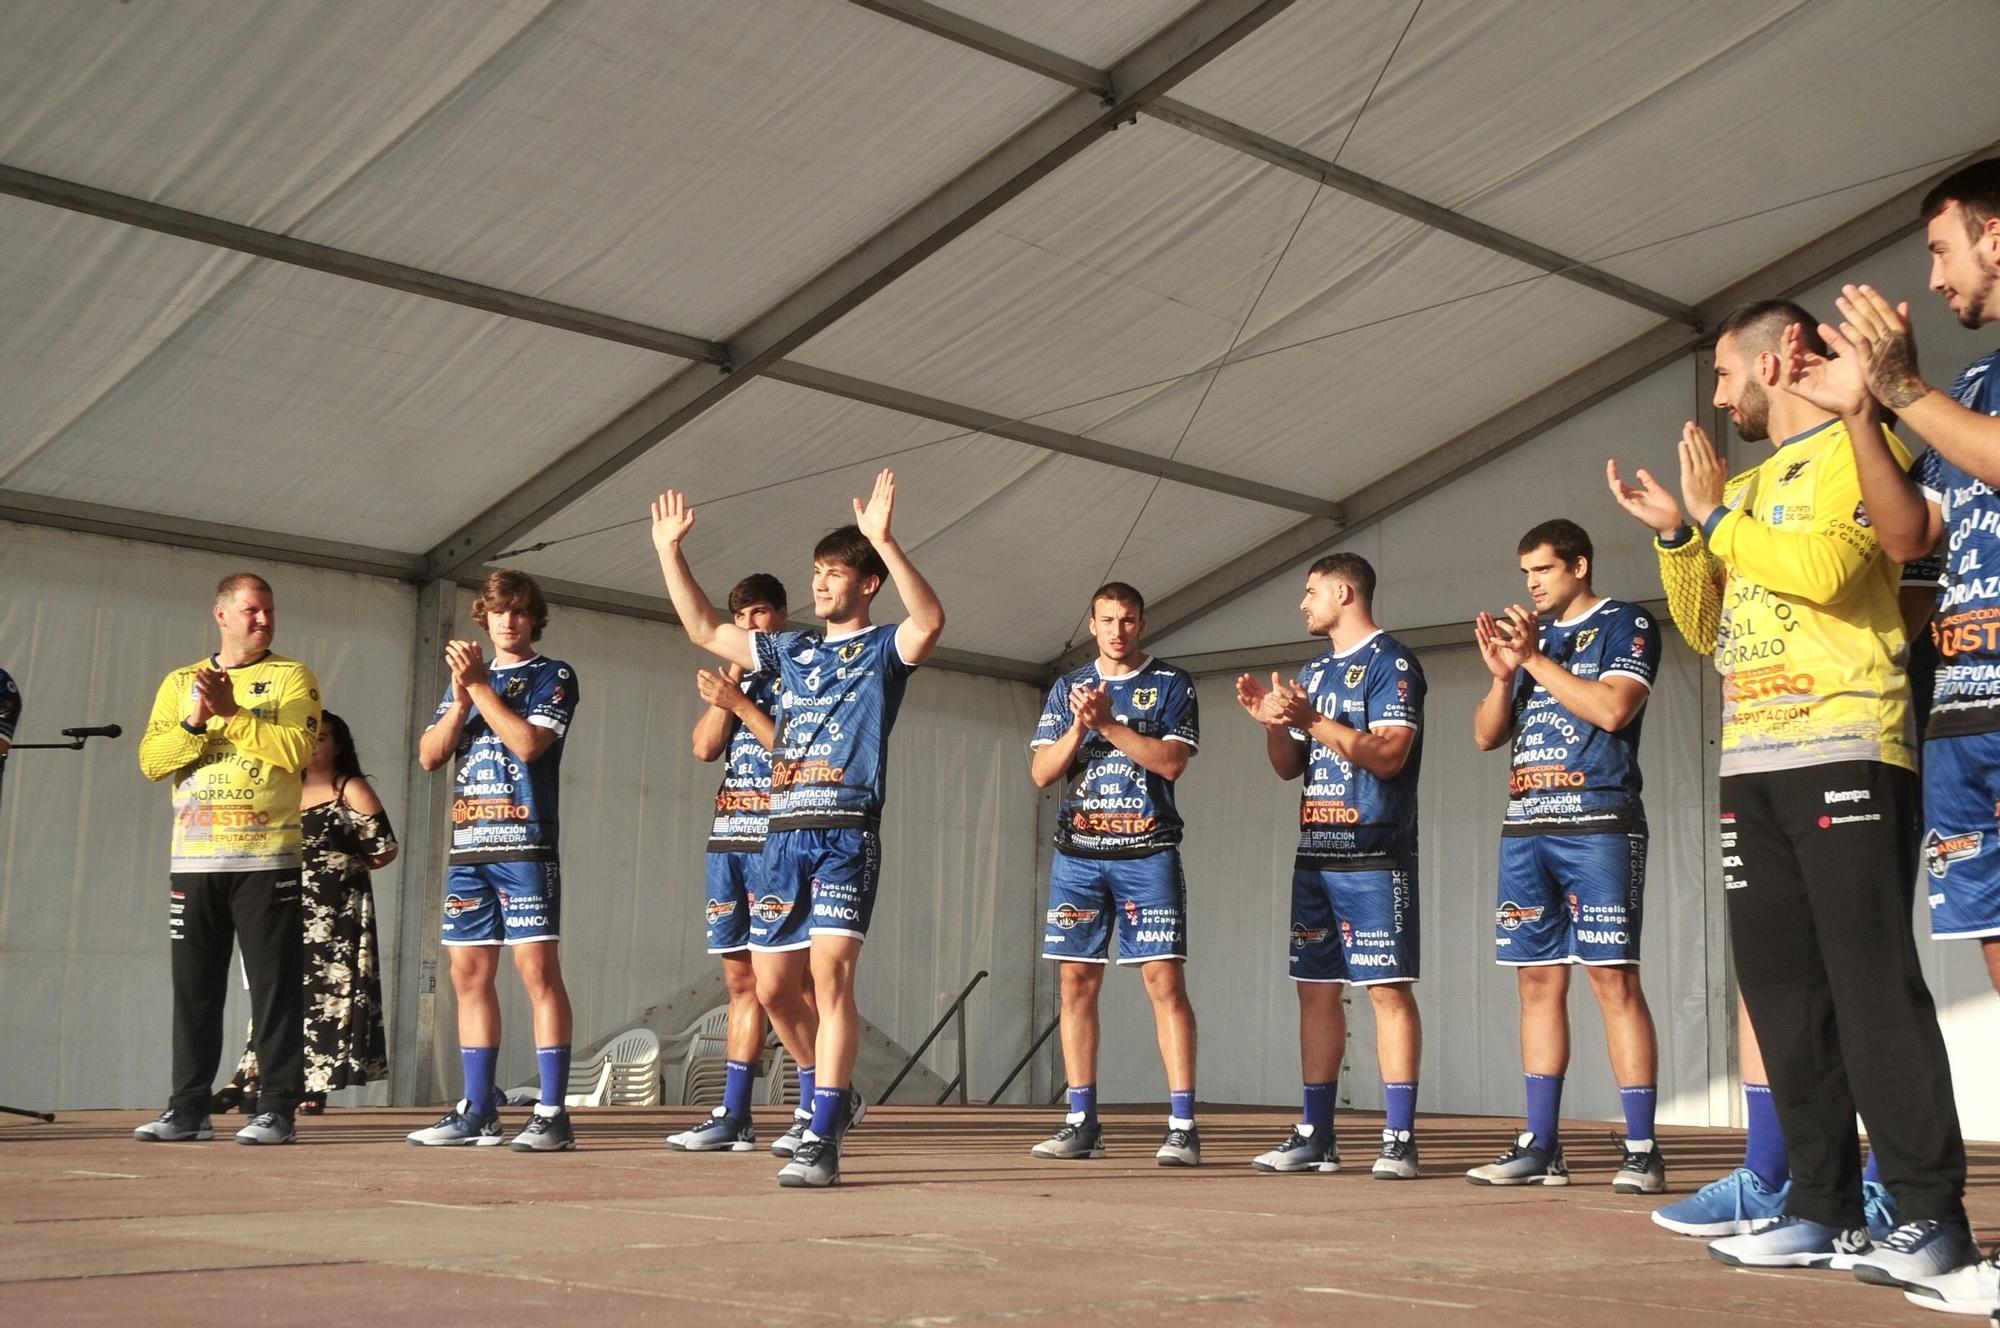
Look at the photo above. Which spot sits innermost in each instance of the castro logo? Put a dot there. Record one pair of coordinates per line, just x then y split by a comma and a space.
1302, 936
772, 909
1067, 915
1940, 851
1511, 915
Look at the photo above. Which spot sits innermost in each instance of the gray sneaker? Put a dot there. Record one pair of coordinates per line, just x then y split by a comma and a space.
1917, 1250
1398, 1158
460, 1126
270, 1127
1303, 1150
1181, 1148
173, 1126
545, 1134
1523, 1164
720, 1133
814, 1166
1643, 1171
787, 1143
1073, 1141
854, 1112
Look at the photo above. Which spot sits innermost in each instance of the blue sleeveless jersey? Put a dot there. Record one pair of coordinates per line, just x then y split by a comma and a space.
502, 809
1114, 807
839, 701
1966, 695
1570, 777
743, 802
1350, 819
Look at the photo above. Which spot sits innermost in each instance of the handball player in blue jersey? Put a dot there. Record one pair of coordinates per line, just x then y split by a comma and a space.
1352, 725
739, 725
1119, 731
822, 854
501, 727
1570, 681
1945, 506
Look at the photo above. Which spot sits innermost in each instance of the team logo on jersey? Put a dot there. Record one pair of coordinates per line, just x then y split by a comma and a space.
1302, 935
515, 686
1346, 932
1067, 915
1861, 515
1638, 644
1355, 673
1511, 915
1145, 698
718, 909
259, 688
1940, 850
773, 909
805, 656
1585, 637
457, 904
849, 653
1403, 689
558, 695
1792, 471
1575, 908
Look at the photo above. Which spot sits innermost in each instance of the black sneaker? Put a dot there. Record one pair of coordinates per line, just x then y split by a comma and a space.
815, 1165
852, 1112
1643, 1171
545, 1134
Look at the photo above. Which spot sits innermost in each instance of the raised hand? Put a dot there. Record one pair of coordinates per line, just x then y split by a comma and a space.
214, 694
1496, 646
467, 662
873, 517
720, 688
1702, 473
1652, 505
1524, 632
672, 519
1880, 337
1289, 705
1835, 384
1091, 704
1251, 695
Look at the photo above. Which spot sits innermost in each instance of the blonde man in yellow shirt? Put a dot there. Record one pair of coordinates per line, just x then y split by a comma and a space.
1781, 577
233, 732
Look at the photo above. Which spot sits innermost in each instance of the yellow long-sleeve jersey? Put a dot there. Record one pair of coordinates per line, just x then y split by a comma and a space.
1789, 590
236, 781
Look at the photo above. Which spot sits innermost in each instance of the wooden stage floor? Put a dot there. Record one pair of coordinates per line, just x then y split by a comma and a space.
942, 1218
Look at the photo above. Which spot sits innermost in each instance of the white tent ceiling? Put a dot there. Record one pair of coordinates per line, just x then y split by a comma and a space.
440, 283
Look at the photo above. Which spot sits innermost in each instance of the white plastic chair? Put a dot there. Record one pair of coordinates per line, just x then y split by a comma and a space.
625, 1073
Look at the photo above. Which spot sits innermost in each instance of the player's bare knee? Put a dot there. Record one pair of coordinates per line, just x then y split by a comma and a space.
1617, 986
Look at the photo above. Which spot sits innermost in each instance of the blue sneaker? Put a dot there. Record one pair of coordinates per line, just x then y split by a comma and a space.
1793, 1242
1737, 1205
720, 1133
1880, 1207
1917, 1250
460, 1126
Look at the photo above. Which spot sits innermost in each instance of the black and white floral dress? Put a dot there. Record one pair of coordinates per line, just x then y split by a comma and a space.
345, 1045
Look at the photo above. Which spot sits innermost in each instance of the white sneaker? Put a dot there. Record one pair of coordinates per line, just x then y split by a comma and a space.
270, 1127
1973, 1289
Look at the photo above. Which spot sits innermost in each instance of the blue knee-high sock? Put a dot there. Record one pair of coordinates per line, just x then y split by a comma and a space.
827, 1103
553, 1063
478, 1063
1400, 1102
1764, 1152
1181, 1104
1545, 1095
739, 1075
1639, 1102
1083, 1101
806, 1087
1874, 1169
1318, 1111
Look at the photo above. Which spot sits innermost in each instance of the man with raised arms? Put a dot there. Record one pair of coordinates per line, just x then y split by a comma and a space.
1779, 573
1352, 725
1945, 506
502, 728
829, 772
1120, 730
740, 725
1572, 695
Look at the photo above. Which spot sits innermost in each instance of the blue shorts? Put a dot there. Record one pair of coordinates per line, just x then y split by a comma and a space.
1148, 897
502, 903
1961, 846
1359, 927
733, 879
1570, 899
815, 883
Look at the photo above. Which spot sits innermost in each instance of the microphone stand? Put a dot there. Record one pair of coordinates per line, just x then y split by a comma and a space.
77, 737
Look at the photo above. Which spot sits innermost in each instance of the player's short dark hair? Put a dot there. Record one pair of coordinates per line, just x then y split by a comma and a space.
850, 548
1976, 190
236, 581
1119, 592
346, 762
506, 590
757, 588
1352, 568
1760, 326
1569, 540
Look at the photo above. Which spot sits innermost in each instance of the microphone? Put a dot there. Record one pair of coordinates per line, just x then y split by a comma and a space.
101, 731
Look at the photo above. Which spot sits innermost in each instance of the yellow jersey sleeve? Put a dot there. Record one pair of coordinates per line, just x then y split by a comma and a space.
167, 746
1693, 581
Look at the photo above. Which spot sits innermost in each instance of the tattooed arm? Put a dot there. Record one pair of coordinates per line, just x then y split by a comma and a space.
1878, 335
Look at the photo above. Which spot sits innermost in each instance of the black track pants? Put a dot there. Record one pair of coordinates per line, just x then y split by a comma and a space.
209, 910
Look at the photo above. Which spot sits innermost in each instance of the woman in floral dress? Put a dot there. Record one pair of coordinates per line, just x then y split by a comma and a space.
346, 833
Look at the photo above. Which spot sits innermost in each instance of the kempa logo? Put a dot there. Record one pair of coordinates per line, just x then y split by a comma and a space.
1848, 795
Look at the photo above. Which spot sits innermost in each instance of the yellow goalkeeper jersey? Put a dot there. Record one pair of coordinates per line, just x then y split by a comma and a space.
1787, 587
236, 781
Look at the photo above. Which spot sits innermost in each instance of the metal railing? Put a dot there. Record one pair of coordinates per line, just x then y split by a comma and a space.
956, 1011
1022, 1064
